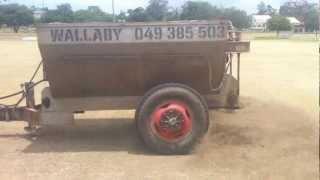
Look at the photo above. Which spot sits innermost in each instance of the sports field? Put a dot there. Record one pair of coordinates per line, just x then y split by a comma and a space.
274, 136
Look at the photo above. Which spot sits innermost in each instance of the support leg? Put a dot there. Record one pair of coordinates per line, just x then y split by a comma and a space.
238, 73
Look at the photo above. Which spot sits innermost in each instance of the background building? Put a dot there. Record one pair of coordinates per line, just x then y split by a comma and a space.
259, 22
38, 13
298, 27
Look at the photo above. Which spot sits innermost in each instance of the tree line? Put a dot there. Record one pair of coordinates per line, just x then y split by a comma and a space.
307, 13
15, 15
157, 10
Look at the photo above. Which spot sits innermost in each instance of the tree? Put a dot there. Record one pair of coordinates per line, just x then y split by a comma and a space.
304, 11
93, 13
1, 21
295, 8
137, 15
15, 16
122, 17
312, 20
173, 14
239, 18
63, 13
270, 10
279, 23
198, 10
262, 8
157, 10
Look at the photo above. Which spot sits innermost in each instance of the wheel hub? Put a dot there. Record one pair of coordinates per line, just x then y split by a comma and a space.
172, 120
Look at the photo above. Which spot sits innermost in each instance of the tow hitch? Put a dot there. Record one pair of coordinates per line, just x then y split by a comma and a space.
29, 113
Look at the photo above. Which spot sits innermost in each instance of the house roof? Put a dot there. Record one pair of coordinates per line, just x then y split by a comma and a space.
294, 20
261, 18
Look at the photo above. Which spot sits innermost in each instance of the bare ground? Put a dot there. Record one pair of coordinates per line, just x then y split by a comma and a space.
275, 135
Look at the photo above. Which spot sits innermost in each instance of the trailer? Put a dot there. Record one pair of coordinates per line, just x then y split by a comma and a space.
171, 73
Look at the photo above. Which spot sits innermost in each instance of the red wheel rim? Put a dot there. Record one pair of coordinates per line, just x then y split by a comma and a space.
171, 120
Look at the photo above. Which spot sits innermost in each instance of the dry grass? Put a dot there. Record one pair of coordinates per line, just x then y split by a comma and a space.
275, 136
273, 36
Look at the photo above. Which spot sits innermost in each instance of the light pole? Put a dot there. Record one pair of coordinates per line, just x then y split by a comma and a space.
113, 13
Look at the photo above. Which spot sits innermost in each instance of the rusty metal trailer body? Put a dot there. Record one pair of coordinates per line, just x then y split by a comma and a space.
103, 66
114, 60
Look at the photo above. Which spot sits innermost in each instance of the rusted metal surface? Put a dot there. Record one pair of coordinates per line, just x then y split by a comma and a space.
111, 66
32, 116
29, 93
238, 46
81, 60
29, 113
113, 71
11, 114
110, 33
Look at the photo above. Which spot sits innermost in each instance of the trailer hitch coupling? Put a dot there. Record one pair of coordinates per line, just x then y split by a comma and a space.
30, 113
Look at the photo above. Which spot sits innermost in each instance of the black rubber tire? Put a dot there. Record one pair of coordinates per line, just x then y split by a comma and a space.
185, 94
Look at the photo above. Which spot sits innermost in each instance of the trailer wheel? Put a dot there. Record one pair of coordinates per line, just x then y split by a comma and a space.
172, 119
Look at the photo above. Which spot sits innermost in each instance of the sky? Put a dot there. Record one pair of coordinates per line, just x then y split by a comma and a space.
122, 5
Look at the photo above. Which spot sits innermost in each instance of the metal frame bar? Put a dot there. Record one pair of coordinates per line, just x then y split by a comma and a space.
238, 71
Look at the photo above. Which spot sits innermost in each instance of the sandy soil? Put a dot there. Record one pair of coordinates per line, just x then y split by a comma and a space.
275, 135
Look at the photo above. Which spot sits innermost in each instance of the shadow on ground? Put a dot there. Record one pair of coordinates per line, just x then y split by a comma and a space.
247, 127
111, 135
90, 135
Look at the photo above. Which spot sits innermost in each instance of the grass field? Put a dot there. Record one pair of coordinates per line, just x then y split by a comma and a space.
311, 37
275, 135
